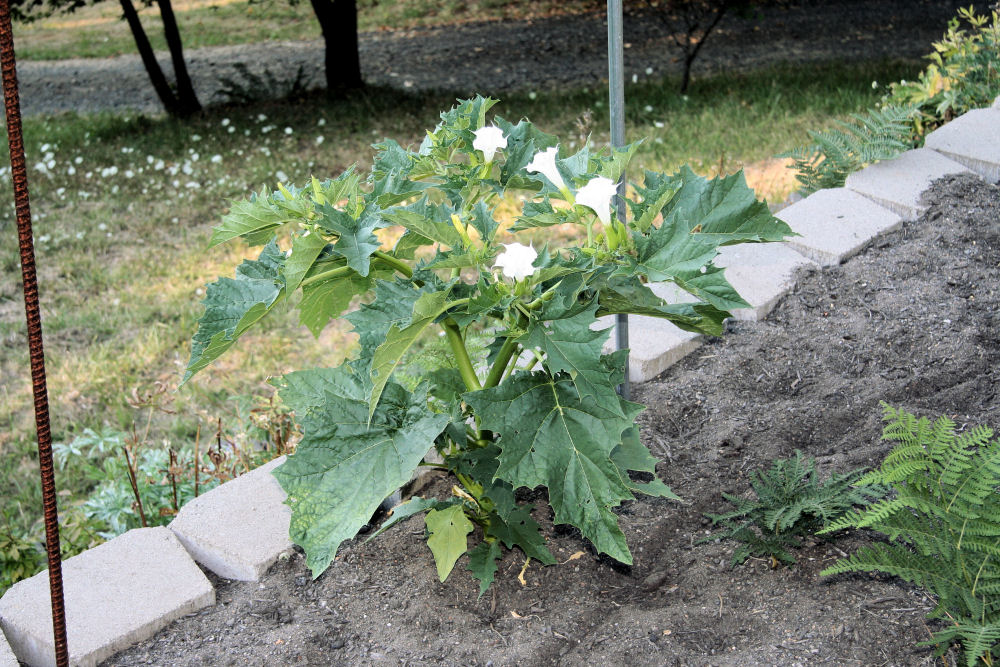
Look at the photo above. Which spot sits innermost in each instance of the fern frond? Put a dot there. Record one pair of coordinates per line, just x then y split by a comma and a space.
835, 153
944, 523
979, 639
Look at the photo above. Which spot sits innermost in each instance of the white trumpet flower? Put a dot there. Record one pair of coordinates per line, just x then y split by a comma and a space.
597, 195
516, 261
544, 163
489, 140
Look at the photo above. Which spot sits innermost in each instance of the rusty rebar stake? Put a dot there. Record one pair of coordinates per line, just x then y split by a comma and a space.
19, 173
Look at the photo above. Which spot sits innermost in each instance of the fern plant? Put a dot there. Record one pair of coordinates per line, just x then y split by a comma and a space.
943, 525
833, 154
791, 502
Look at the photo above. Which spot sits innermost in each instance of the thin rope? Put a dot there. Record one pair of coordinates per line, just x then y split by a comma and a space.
19, 173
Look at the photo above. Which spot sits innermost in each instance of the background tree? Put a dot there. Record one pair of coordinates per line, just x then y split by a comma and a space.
690, 22
178, 100
339, 21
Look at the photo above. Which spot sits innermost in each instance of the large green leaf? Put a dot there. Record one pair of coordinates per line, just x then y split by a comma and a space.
393, 306
356, 242
550, 436
632, 455
699, 218
483, 563
630, 296
543, 214
326, 299
233, 305
448, 528
524, 140
306, 249
428, 220
724, 209
398, 340
572, 346
520, 530
345, 466
255, 218
656, 191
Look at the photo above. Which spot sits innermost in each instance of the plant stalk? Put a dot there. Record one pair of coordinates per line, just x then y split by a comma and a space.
465, 369
500, 363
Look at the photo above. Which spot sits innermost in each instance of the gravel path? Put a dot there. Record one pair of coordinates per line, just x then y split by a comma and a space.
497, 57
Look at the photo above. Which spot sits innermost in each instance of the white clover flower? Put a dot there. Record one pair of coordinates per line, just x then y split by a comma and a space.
516, 261
597, 195
194, 137
649, 70
544, 163
289, 130
225, 122
489, 140
320, 139
216, 159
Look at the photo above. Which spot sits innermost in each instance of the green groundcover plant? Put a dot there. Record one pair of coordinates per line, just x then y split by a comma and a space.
538, 407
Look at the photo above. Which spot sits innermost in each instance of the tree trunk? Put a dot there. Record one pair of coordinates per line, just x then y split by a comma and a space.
186, 98
159, 81
339, 21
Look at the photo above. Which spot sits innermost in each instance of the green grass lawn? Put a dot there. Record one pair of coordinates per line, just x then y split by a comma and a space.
123, 206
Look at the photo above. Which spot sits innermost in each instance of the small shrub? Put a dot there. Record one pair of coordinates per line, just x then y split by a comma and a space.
964, 74
943, 525
791, 503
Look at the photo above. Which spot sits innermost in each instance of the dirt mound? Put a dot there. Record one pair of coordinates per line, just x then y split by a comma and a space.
911, 320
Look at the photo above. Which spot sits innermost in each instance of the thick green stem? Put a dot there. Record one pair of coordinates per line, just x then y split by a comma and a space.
465, 369
500, 363
400, 266
339, 272
342, 271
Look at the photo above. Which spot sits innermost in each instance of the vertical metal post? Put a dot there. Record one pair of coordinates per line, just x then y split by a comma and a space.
19, 174
616, 94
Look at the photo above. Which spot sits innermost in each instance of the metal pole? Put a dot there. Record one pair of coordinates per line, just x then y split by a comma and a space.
616, 94
19, 174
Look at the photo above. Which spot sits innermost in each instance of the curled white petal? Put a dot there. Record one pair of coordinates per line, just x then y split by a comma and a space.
489, 140
516, 261
597, 195
544, 163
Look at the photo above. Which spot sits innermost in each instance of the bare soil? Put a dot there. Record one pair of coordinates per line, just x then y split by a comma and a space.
911, 321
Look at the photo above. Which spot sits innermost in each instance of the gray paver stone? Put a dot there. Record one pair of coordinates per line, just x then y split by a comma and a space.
654, 343
7, 658
996, 103
762, 273
899, 183
238, 529
972, 139
118, 593
835, 224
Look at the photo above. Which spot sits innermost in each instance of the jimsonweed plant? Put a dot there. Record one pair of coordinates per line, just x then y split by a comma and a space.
420, 241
